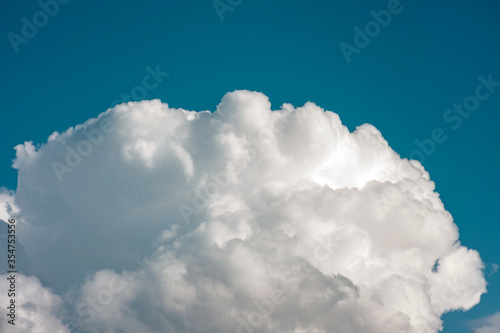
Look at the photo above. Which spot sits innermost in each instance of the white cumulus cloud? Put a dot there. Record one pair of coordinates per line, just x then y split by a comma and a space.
40, 309
150, 219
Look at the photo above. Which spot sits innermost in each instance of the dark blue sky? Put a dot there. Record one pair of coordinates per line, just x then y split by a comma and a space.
426, 59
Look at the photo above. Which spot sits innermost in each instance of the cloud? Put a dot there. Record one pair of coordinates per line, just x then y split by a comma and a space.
489, 324
151, 219
7, 206
41, 311
493, 269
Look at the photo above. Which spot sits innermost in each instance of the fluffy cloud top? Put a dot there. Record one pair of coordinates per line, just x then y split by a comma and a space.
154, 219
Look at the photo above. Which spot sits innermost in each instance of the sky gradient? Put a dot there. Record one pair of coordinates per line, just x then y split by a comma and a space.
427, 59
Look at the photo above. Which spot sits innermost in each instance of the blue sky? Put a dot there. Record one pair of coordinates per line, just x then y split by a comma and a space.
426, 59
